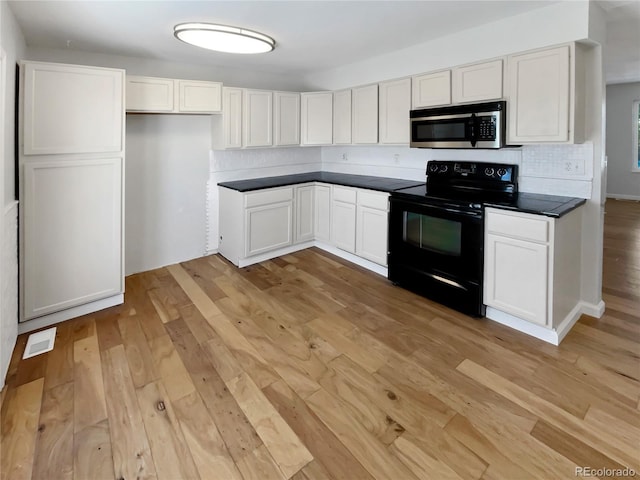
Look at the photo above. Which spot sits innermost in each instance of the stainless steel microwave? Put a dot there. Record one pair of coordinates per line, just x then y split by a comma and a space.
477, 125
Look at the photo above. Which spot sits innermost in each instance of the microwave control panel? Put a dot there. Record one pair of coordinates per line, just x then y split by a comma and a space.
486, 127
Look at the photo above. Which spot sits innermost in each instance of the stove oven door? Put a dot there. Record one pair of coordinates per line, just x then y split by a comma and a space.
437, 251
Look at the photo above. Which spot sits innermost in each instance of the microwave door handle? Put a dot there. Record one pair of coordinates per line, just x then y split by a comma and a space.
472, 130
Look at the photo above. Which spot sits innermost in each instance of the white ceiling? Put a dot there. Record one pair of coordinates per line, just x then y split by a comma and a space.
310, 35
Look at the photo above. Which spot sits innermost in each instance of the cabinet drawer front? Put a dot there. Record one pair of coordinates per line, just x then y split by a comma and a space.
265, 197
527, 228
378, 200
344, 194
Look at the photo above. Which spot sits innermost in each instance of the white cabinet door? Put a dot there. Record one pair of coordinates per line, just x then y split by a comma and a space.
268, 227
364, 114
395, 104
431, 89
199, 97
150, 94
342, 117
477, 83
371, 234
257, 118
286, 114
316, 118
539, 92
227, 127
72, 109
322, 213
304, 206
516, 277
343, 225
72, 233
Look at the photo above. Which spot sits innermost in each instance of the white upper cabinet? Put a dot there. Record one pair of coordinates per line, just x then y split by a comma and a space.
199, 97
316, 118
395, 104
477, 83
72, 109
431, 89
364, 114
167, 95
149, 94
286, 115
542, 96
257, 118
227, 128
342, 117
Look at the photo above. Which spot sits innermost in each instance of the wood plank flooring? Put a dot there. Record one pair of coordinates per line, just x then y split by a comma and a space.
306, 367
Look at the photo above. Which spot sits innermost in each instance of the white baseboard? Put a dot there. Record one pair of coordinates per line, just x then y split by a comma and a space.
69, 313
538, 331
593, 310
621, 196
569, 321
245, 262
549, 335
363, 262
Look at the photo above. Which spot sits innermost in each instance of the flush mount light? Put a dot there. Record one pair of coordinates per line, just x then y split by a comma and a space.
223, 38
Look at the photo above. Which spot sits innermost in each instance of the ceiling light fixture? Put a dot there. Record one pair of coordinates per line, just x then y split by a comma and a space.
223, 38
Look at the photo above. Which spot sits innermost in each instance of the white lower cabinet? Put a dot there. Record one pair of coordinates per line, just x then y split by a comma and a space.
343, 225
532, 266
517, 277
258, 225
359, 222
371, 234
322, 212
268, 227
304, 207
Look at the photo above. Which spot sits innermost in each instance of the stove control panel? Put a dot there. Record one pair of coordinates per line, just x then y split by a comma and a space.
447, 169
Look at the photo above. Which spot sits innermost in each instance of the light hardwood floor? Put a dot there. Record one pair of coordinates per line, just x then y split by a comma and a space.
307, 367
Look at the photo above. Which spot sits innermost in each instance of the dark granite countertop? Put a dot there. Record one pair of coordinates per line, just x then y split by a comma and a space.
540, 204
380, 184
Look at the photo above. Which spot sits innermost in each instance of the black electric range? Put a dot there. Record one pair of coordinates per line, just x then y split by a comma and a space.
436, 230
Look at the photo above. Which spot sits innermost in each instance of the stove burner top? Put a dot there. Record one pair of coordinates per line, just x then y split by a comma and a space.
466, 184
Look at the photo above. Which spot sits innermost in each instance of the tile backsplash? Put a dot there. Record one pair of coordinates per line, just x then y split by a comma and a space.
558, 161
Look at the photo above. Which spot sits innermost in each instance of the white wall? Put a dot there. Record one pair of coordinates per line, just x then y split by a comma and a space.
557, 23
166, 172
13, 45
622, 182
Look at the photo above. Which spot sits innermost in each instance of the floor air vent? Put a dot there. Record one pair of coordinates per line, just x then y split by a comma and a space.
40, 342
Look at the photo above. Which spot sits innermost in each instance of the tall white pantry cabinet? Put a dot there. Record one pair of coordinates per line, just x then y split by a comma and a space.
71, 170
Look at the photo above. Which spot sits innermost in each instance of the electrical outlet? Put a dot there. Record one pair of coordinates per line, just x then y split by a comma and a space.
574, 167
345, 157
396, 157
